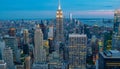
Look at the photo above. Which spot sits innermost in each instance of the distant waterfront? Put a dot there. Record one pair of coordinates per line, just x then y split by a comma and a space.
98, 22
89, 21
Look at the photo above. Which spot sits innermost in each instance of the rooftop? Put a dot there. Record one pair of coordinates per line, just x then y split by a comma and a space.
77, 35
111, 54
2, 62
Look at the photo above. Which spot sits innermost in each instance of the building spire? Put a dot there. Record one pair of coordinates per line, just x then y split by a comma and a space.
59, 6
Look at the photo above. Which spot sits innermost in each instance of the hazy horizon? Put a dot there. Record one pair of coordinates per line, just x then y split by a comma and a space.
28, 9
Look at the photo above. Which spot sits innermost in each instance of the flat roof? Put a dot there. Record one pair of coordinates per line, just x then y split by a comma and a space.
2, 62
77, 35
111, 53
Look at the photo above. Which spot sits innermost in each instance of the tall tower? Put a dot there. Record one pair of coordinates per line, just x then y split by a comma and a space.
26, 36
39, 51
27, 62
2, 46
59, 28
3, 64
77, 51
26, 41
70, 16
116, 34
116, 21
8, 57
13, 44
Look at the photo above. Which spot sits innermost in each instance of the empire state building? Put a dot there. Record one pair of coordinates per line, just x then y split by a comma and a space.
59, 28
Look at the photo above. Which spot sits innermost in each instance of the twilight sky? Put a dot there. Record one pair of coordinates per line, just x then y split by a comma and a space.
12, 9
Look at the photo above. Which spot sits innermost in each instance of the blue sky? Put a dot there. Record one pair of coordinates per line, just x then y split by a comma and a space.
47, 8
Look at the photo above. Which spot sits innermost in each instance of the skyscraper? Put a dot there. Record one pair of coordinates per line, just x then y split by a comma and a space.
2, 64
26, 41
13, 44
12, 32
39, 51
26, 36
59, 28
50, 39
43, 27
2, 46
77, 51
27, 62
8, 57
50, 33
116, 31
109, 60
116, 21
70, 16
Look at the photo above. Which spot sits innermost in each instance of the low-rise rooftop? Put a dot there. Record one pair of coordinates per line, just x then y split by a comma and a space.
111, 54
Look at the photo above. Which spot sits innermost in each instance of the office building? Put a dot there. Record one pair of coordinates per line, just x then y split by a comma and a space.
43, 27
116, 42
2, 64
12, 32
77, 51
109, 60
40, 66
13, 44
71, 17
26, 41
51, 46
50, 33
39, 51
27, 64
54, 62
116, 31
8, 57
59, 35
2, 46
26, 36
116, 20
20, 67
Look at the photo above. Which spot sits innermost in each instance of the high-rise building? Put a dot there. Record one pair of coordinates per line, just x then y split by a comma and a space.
50, 33
39, 51
94, 45
2, 64
54, 63
50, 38
26, 36
8, 57
43, 27
116, 31
116, 20
26, 41
116, 42
59, 38
109, 60
12, 32
51, 47
27, 62
2, 46
70, 16
26, 49
77, 51
19, 66
40, 66
13, 44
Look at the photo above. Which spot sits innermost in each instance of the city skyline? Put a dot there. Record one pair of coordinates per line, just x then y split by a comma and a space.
16, 9
60, 43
